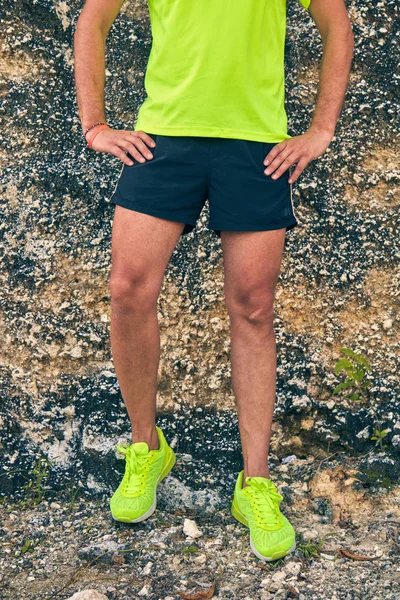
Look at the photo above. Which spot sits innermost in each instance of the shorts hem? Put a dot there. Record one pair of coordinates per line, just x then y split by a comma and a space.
157, 213
272, 226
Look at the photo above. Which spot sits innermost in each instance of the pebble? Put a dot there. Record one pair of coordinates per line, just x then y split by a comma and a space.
147, 568
88, 595
190, 529
144, 591
387, 324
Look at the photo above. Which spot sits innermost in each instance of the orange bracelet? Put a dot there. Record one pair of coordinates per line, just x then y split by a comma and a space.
98, 129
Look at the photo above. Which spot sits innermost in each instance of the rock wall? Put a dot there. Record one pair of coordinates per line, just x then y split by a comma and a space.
339, 285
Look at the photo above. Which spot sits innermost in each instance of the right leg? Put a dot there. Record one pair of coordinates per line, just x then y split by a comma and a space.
141, 248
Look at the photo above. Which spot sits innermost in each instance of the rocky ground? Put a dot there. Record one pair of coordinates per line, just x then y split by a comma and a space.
348, 542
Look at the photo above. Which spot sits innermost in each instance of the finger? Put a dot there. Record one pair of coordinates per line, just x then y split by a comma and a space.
133, 151
301, 165
278, 160
273, 153
119, 153
136, 145
145, 137
285, 164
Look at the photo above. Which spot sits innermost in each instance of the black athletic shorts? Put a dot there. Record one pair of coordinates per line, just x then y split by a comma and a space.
185, 171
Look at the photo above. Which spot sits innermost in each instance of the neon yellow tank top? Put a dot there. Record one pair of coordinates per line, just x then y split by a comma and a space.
216, 69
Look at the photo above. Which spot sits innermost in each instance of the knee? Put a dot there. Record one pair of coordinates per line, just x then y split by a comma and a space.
254, 307
133, 291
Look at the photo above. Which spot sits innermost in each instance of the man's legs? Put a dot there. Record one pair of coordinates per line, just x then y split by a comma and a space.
252, 261
141, 248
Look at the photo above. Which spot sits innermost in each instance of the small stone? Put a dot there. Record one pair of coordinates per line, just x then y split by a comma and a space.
278, 576
200, 559
88, 595
387, 324
147, 568
289, 459
293, 592
190, 529
144, 591
292, 569
76, 351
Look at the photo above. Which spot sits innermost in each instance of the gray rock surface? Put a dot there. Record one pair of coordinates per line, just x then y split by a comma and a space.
339, 285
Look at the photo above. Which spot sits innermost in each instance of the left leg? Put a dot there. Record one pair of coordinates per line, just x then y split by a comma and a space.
252, 261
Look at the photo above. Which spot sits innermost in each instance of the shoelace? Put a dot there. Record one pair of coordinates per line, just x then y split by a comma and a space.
264, 492
135, 464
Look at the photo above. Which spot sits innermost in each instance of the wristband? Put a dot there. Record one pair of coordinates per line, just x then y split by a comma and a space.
91, 138
91, 127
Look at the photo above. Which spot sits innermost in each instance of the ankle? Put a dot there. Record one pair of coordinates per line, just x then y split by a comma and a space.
150, 437
263, 472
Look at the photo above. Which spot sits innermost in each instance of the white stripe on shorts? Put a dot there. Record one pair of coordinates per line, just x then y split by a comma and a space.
291, 191
116, 185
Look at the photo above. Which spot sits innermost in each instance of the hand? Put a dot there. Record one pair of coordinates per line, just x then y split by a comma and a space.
300, 149
120, 141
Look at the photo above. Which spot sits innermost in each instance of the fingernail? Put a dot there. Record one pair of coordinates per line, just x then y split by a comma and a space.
267, 171
130, 163
266, 162
152, 145
149, 155
274, 176
142, 159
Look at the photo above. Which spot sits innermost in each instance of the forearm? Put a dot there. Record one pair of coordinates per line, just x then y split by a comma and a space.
89, 50
333, 80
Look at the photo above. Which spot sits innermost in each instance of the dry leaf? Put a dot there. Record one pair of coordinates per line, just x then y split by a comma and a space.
199, 595
345, 552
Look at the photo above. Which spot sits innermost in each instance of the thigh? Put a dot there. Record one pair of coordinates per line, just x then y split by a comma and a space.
242, 197
141, 246
252, 262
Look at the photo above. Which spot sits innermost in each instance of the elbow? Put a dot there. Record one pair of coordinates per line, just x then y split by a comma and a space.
342, 34
85, 26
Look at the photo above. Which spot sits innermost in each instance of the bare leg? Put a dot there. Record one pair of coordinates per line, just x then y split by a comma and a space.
141, 248
252, 262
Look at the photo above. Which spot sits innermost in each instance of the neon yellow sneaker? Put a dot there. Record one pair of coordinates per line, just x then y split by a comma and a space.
135, 498
257, 506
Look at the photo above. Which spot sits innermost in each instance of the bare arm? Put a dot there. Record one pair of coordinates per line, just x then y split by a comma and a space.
334, 25
337, 38
94, 23
91, 32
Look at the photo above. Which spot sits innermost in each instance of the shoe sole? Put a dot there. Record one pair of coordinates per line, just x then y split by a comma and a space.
239, 516
166, 469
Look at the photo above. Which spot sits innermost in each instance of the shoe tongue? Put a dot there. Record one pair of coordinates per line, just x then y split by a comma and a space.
267, 482
140, 447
